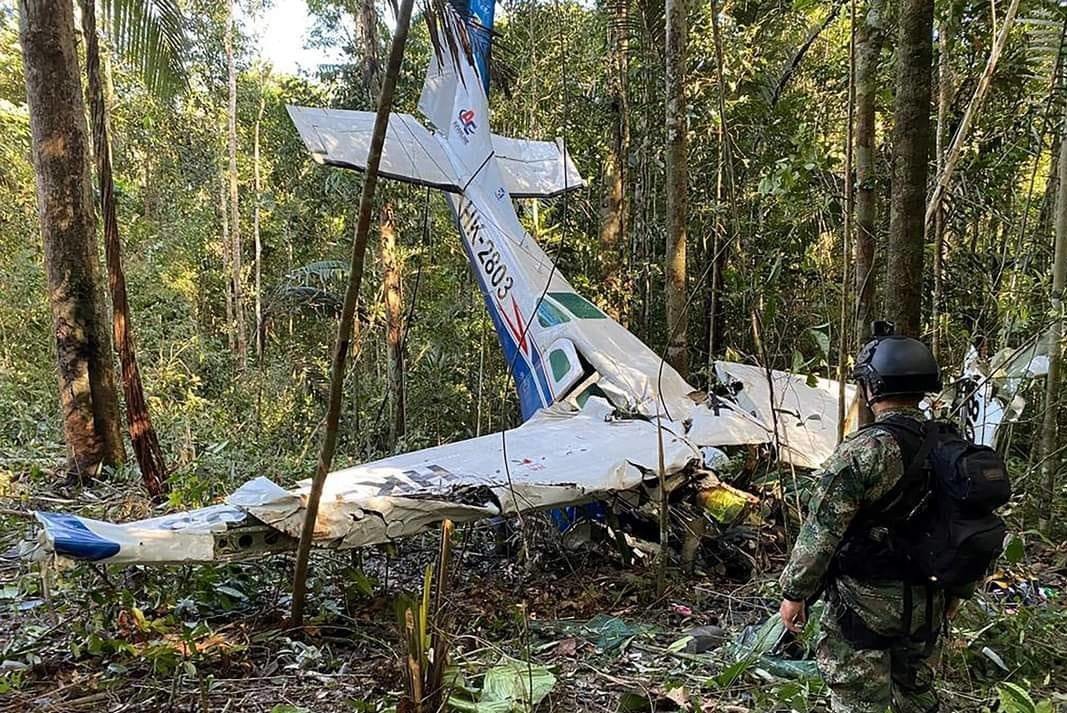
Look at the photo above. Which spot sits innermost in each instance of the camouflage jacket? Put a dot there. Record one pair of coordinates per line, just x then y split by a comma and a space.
865, 466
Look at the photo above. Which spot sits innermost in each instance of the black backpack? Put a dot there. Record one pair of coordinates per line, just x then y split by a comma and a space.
938, 525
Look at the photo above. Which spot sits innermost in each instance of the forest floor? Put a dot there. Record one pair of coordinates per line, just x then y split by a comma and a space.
592, 632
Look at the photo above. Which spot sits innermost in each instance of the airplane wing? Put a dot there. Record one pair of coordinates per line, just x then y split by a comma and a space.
554, 459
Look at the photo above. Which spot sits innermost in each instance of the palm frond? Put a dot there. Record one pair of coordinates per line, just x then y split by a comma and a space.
317, 286
149, 35
321, 272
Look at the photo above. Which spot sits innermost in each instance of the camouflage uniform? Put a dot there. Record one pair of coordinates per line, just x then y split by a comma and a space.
862, 469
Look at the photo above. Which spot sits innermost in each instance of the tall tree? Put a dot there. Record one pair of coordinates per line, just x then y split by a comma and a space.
849, 225
869, 39
911, 150
391, 261
260, 330
725, 199
143, 436
870, 36
614, 207
227, 252
945, 94
392, 289
1051, 453
87, 392
240, 337
676, 186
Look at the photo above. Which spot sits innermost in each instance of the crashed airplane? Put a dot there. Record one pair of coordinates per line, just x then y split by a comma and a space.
602, 412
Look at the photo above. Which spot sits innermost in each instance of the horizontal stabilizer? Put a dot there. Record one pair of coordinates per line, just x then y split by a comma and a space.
339, 137
533, 169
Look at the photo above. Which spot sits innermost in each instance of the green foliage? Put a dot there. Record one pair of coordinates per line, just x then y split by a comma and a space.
149, 35
509, 686
1016, 699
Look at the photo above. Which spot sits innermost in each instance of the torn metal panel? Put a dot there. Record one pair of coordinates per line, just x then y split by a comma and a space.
722, 424
806, 414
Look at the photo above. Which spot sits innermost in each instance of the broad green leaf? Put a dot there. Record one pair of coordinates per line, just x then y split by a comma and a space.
1015, 699
1014, 550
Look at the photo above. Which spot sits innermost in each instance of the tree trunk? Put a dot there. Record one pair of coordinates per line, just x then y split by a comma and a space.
87, 393
241, 338
726, 218
1051, 456
142, 434
348, 308
260, 331
973, 106
227, 250
614, 218
392, 287
869, 39
848, 227
677, 187
945, 93
911, 149
370, 64
392, 265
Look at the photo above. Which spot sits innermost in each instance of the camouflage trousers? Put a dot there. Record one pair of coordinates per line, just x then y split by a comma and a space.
899, 679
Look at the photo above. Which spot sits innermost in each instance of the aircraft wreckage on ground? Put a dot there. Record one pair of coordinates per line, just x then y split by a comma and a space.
599, 406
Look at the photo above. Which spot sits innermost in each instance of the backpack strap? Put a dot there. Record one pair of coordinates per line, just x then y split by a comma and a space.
915, 449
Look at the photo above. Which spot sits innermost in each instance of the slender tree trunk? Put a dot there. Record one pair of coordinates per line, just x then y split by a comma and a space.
227, 254
869, 38
911, 149
348, 308
241, 339
847, 232
614, 207
677, 187
945, 93
813, 34
1051, 456
59, 149
726, 219
370, 64
392, 265
142, 434
392, 287
260, 331
973, 106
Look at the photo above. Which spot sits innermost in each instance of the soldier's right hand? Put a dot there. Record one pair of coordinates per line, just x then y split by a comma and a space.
794, 615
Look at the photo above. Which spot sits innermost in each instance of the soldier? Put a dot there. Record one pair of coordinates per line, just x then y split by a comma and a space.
878, 632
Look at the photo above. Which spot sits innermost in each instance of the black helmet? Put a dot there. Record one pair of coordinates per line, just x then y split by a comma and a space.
892, 365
